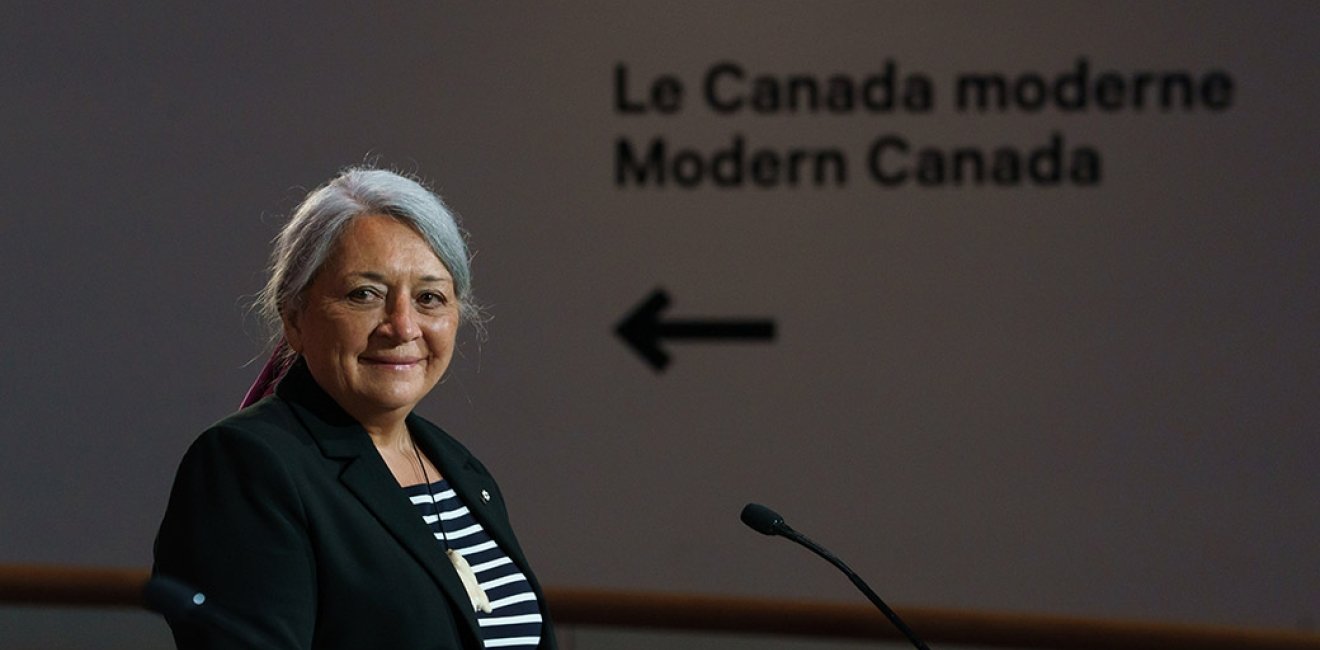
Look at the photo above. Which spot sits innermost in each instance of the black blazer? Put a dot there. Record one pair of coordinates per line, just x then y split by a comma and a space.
285, 515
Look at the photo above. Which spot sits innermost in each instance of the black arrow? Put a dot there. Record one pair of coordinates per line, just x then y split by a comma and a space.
642, 329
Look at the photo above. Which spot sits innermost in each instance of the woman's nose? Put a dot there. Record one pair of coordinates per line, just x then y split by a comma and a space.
400, 322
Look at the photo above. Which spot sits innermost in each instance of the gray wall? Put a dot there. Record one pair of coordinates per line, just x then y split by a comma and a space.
1089, 399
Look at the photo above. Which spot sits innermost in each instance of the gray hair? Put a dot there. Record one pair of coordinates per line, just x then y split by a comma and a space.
306, 241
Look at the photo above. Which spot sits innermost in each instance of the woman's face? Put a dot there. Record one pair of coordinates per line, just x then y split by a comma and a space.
377, 323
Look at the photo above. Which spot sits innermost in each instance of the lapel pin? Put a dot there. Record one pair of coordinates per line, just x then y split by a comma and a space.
485, 496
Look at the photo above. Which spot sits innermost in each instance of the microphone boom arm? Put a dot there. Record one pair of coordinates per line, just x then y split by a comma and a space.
768, 522
861, 585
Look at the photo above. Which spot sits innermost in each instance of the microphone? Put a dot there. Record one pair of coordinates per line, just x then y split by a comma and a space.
768, 522
762, 519
178, 601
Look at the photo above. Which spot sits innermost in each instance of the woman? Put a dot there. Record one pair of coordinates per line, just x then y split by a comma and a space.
328, 515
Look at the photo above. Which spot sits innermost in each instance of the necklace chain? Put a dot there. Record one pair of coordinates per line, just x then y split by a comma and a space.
480, 601
426, 483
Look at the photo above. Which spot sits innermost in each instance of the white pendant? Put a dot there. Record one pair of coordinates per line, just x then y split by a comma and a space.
478, 596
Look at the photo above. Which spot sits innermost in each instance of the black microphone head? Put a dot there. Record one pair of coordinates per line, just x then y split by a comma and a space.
762, 519
171, 597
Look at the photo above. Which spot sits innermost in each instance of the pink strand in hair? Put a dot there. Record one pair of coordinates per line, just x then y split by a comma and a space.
271, 373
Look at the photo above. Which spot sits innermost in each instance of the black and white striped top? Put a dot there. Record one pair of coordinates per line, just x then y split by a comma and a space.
515, 618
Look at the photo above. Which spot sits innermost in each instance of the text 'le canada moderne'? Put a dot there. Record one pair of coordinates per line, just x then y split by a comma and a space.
891, 159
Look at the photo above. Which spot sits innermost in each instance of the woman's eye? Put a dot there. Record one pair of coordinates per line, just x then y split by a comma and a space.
361, 295
432, 299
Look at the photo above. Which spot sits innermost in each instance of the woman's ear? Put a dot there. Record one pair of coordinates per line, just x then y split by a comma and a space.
292, 334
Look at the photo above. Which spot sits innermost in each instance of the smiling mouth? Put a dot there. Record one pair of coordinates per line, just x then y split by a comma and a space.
393, 363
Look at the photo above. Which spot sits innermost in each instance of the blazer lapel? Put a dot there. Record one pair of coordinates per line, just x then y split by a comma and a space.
472, 484
475, 487
376, 488
365, 474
